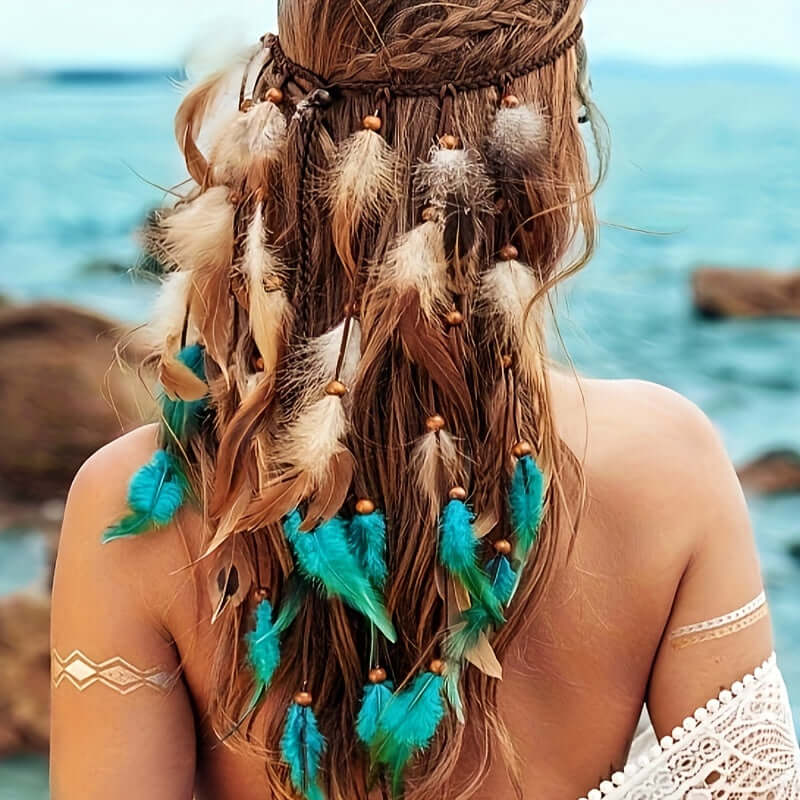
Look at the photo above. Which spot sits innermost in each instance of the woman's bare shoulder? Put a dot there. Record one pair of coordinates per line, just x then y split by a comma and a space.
649, 454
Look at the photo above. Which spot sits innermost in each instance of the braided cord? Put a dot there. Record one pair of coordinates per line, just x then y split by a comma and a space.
291, 69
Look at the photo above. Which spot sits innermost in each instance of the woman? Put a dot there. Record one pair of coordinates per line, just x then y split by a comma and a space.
378, 545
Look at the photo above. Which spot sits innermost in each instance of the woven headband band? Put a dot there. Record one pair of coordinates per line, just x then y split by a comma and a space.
292, 71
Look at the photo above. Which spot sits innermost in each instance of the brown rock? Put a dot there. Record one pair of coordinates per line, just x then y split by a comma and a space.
63, 396
774, 472
24, 674
723, 292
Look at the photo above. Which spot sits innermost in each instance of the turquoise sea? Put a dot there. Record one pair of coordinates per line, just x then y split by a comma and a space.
706, 159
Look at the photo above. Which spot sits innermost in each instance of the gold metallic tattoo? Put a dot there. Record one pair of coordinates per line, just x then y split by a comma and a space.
116, 673
719, 627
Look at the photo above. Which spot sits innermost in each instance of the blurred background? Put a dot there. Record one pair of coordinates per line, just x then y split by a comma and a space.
696, 284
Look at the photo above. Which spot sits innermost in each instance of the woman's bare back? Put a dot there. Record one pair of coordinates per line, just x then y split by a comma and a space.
664, 542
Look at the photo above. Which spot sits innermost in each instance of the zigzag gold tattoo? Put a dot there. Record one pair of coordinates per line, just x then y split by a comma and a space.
116, 673
719, 627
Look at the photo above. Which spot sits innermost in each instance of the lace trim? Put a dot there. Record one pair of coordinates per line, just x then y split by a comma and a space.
725, 619
704, 716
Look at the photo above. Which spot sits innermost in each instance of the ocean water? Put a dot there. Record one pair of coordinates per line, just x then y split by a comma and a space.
705, 160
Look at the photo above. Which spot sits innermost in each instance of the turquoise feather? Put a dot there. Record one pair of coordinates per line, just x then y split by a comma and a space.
263, 645
466, 633
155, 494
323, 556
452, 689
503, 578
182, 418
458, 553
302, 747
526, 503
376, 697
368, 542
407, 725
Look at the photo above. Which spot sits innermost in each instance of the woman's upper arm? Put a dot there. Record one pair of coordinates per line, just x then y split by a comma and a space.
719, 628
121, 722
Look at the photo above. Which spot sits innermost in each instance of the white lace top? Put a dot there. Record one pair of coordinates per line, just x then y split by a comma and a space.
739, 746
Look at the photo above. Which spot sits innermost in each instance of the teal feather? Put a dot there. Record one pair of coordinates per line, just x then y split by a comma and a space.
182, 418
263, 645
155, 494
526, 503
302, 746
324, 557
368, 542
464, 635
407, 724
502, 577
452, 689
458, 553
376, 697
292, 601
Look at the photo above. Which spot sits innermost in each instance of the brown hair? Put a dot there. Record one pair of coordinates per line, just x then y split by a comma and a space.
459, 362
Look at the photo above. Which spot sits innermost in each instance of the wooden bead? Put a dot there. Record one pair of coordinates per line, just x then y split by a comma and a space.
234, 198
508, 252
502, 546
500, 204
448, 141
365, 507
507, 362
458, 493
247, 105
437, 666
303, 699
510, 101
372, 123
377, 675
351, 309
336, 389
275, 95
522, 449
435, 423
429, 214
261, 594
259, 363
454, 318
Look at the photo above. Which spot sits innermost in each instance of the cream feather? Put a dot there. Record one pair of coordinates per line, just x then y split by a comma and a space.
456, 175
169, 312
247, 144
506, 292
268, 305
518, 139
418, 262
435, 463
198, 234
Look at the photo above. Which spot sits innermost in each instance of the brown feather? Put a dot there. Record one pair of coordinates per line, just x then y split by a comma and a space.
213, 311
277, 499
331, 494
229, 582
179, 382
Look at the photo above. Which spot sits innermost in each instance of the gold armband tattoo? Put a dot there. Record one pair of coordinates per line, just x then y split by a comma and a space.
719, 627
116, 673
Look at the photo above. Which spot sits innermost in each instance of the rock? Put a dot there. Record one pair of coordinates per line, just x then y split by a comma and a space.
771, 473
24, 674
721, 292
63, 396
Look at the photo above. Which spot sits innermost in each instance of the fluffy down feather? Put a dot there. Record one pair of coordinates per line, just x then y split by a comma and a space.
376, 697
518, 140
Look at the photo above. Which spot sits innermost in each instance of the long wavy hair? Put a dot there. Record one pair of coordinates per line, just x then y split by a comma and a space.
291, 261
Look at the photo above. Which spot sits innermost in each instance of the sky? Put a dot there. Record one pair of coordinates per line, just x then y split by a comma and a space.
87, 33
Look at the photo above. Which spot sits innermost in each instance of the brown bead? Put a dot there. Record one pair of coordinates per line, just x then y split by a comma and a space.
351, 309
508, 252
507, 362
522, 449
365, 507
448, 141
234, 198
454, 318
510, 101
247, 105
303, 699
377, 675
458, 493
500, 204
259, 362
429, 214
435, 423
336, 389
372, 122
502, 546
437, 666
261, 594
275, 95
